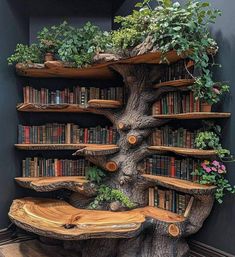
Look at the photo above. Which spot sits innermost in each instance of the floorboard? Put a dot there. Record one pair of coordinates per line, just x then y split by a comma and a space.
34, 248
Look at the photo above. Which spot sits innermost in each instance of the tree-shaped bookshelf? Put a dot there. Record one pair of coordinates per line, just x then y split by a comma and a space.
144, 231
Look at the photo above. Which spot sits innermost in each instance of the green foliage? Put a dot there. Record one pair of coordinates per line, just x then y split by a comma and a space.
25, 54
212, 172
174, 26
95, 174
210, 140
107, 195
50, 39
204, 88
80, 45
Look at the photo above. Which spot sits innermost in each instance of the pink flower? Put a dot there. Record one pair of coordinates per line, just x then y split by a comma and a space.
215, 163
216, 91
208, 170
222, 167
204, 166
220, 171
214, 169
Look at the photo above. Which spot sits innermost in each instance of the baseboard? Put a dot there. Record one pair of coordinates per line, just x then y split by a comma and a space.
198, 249
12, 234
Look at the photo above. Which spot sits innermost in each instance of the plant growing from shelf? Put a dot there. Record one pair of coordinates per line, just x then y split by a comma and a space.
213, 172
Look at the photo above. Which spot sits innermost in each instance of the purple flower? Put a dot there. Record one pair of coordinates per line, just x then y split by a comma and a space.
216, 90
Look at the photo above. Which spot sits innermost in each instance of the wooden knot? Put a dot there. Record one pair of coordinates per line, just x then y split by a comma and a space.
133, 140
173, 230
123, 126
111, 166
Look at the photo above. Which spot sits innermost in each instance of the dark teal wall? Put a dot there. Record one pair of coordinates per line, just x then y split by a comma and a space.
13, 29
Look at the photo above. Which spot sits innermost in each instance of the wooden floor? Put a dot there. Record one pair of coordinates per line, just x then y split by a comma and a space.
34, 248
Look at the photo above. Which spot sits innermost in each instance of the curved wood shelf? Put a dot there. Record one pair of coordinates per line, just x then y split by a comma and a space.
63, 146
97, 71
47, 184
175, 83
98, 103
58, 219
180, 185
194, 115
184, 151
95, 103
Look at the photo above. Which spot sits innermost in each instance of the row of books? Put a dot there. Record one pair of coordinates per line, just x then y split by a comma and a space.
40, 167
177, 71
175, 102
171, 167
169, 200
78, 95
168, 136
55, 133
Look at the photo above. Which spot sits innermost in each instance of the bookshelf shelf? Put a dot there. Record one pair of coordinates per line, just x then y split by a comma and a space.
180, 185
97, 71
63, 146
58, 219
175, 83
183, 151
47, 184
194, 115
102, 104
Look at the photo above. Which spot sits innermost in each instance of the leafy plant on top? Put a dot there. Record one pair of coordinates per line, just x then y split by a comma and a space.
50, 39
26, 54
184, 28
213, 172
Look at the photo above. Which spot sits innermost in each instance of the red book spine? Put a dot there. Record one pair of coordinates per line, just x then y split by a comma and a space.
173, 169
85, 135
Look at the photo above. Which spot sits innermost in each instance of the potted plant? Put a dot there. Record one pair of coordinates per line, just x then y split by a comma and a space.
213, 173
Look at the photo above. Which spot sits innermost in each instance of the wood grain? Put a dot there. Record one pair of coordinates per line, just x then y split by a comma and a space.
47, 184
193, 115
34, 248
62, 146
98, 71
97, 103
58, 219
180, 185
175, 83
183, 151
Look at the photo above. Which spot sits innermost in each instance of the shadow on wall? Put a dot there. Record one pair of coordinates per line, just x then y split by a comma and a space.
218, 230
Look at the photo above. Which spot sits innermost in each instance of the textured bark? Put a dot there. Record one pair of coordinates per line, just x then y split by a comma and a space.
134, 123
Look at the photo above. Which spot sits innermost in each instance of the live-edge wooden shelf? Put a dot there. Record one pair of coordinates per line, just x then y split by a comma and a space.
175, 83
95, 103
180, 185
183, 151
58, 219
97, 71
45, 184
193, 115
63, 146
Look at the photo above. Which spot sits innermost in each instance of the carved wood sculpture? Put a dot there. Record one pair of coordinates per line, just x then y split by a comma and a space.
142, 232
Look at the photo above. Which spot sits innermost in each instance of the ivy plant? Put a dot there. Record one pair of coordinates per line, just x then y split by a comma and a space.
95, 174
184, 28
107, 194
80, 45
210, 140
26, 54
